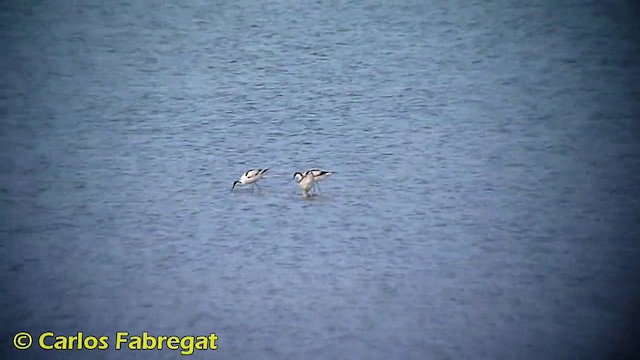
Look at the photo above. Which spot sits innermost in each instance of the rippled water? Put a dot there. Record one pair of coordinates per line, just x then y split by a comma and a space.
485, 201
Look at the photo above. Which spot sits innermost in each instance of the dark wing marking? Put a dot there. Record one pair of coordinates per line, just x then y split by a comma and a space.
251, 173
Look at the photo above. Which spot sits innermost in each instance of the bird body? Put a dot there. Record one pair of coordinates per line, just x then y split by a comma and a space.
319, 175
305, 181
250, 177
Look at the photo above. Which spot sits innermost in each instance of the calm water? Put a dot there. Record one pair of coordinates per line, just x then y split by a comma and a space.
484, 206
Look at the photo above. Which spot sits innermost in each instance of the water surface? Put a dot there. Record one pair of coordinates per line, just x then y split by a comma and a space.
485, 201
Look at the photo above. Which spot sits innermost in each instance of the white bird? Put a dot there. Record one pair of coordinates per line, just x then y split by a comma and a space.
305, 181
319, 175
250, 177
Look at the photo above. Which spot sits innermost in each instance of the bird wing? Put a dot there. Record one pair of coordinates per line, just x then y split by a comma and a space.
318, 172
251, 173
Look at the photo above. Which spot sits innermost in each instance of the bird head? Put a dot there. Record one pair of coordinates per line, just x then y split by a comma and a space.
297, 176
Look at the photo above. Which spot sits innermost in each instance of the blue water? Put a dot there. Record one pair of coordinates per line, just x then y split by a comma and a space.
484, 204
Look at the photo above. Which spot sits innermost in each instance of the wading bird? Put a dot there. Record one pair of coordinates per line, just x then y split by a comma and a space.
305, 181
250, 177
319, 175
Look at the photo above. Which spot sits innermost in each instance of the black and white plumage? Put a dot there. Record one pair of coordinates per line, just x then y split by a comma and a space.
250, 177
305, 181
319, 175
